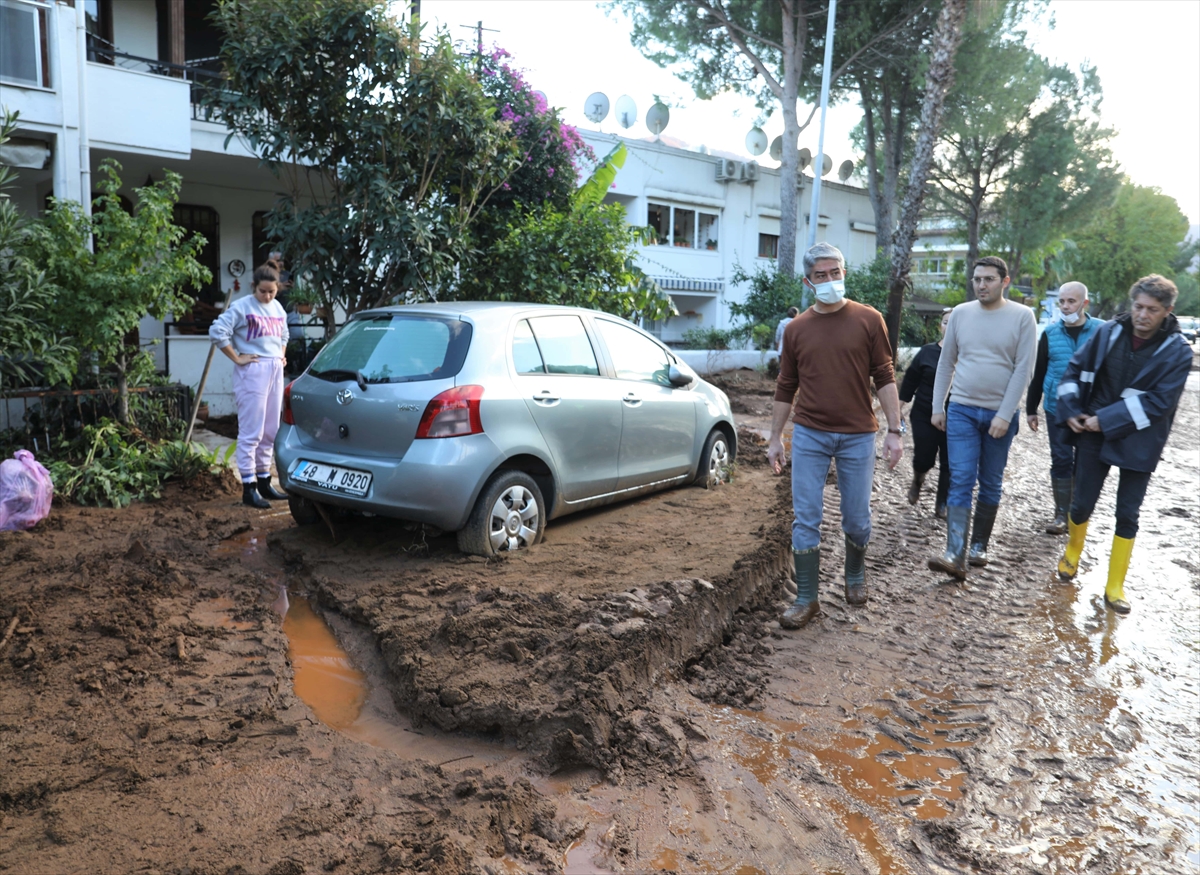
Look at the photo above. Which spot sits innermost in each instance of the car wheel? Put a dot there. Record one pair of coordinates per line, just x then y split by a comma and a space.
715, 460
509, 515
304, 512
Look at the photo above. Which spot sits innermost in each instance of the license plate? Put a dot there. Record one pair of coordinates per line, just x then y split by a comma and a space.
333, 478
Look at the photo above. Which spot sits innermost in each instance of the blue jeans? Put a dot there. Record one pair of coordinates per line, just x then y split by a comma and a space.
811, 452
976, 455
1062, 452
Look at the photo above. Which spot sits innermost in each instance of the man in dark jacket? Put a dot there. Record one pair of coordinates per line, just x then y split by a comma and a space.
1118, 396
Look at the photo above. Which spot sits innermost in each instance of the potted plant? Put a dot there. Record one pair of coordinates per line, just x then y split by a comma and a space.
303, 298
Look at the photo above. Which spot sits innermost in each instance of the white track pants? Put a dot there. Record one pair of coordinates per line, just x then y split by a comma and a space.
258, 388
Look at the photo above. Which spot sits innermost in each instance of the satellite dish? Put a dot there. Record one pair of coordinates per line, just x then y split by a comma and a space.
596, 107
657, 118
542, 95
777, 148
826, 164
805, 158
756, 141
846, 168
626, 111
702, 149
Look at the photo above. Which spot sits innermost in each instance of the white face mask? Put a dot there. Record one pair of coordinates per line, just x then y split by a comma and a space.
830, 292
1072, 318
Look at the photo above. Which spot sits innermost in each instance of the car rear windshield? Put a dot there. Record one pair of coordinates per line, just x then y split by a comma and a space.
395, 348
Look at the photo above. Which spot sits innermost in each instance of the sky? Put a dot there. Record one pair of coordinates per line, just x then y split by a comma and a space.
1145, 52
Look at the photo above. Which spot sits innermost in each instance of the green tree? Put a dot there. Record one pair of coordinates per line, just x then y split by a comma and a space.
1140, 234
138, 264
756, 47
387, 145
31, 350
581, 256
1185, 270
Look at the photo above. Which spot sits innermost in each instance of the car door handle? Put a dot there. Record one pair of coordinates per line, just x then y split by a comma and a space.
632, 400
545, 399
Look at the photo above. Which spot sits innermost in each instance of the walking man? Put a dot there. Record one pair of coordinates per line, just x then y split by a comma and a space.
1118, 396
831, 353
1059, 342
792, 313
988, 353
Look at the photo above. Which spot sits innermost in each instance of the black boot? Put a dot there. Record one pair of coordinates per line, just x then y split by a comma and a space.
265, 490
914, 490
943, 492
1062, 504
808, 583
856, 572
985, 518
954, 560
251, 498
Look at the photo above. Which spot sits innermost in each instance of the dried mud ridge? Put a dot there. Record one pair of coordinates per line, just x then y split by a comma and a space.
565, 676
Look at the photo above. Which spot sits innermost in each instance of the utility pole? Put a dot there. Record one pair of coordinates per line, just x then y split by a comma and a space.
814, 212
479, 29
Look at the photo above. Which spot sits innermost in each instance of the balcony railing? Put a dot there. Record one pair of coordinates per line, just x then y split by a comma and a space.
198, 77
24, 43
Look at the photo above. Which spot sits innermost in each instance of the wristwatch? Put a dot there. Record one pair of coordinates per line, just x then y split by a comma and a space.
897, 431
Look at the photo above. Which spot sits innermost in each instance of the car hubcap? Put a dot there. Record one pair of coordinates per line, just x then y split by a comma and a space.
514, 522
718, 462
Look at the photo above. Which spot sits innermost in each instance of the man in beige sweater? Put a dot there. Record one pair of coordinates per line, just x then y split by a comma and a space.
986, 362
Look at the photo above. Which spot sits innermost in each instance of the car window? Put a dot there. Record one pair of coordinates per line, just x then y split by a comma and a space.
564, 345
526, 356
635, 356
393, 348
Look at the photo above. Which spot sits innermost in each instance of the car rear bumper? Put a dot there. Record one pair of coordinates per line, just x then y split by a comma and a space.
435, 482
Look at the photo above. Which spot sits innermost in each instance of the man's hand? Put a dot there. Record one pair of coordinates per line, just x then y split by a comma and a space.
1033, 421
775, 454
892, 450
1091, 423
998, 428
938, 421
1078, 424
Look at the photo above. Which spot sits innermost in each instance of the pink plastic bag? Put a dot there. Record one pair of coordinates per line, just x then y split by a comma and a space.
25, 492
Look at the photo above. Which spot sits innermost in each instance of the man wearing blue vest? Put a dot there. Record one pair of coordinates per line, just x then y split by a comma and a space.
1059, 342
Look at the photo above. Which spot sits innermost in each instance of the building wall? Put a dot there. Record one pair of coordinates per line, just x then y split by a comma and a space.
656, 174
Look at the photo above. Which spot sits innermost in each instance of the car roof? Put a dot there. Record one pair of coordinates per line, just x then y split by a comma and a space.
472, 308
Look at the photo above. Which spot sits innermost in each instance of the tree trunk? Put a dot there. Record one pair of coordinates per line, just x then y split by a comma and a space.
881, 207
946, 39
122, 390
794, 28
974, 217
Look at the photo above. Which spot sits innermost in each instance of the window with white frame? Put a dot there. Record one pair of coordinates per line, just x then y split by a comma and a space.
24, 43
687, 228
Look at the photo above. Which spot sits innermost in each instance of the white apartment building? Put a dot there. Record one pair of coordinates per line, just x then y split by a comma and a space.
712, 213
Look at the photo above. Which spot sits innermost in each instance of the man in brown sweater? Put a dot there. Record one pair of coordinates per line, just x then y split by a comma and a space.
831, 353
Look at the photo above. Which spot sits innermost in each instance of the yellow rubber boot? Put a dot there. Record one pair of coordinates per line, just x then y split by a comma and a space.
1068, 565
1118, 565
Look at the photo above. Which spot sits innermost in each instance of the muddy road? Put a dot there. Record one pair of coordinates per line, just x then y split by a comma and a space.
193, 686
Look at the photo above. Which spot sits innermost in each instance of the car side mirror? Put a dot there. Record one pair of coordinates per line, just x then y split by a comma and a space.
679, 378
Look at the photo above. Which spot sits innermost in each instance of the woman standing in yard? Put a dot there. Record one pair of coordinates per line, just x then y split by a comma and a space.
929, 443
253, 334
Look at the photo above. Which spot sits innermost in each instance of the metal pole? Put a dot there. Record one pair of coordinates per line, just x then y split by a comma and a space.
814, 212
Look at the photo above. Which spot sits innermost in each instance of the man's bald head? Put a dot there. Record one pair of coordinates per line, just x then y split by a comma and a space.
1074, 288
1072, 300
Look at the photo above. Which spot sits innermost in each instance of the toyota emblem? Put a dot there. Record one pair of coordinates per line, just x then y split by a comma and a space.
344, 397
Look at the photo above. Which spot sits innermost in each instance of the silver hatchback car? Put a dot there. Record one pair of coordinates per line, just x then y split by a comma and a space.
489, 419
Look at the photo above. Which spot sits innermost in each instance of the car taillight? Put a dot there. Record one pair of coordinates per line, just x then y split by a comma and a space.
287, 405
452, 413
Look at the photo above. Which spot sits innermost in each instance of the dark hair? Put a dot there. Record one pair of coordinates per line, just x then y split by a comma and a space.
793, 312
264, 273
1157, 287
992, 261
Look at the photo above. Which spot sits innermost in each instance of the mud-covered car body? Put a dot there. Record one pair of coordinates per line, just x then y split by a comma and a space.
410, 410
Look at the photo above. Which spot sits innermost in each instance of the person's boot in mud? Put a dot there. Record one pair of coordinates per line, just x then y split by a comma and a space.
1068, 565
856, 572
1062, 505
807, 564
914, 489
1118, 567
267, 491
981, 533
954, 560
251, 498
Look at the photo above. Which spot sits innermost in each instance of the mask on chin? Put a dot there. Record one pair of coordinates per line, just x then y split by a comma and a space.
830, 292
1072, 318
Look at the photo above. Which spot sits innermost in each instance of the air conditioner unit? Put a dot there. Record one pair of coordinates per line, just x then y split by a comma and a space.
748, 171
727, 170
